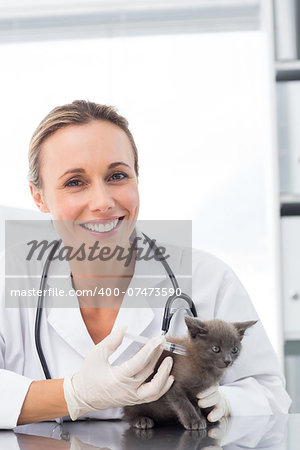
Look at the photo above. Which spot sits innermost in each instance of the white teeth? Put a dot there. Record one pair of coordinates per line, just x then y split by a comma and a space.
100, 227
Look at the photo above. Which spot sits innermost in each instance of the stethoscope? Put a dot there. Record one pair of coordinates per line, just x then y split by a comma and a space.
169, 310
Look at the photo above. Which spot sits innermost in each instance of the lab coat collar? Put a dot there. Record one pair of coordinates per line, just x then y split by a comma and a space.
136, 312
68, 323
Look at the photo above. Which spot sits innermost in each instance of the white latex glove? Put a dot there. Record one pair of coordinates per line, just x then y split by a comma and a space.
214, 397
98, 385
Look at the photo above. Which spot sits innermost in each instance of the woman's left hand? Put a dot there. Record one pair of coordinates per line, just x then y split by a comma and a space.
213, 397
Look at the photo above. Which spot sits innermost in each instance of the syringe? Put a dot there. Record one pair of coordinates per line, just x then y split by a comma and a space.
169, 346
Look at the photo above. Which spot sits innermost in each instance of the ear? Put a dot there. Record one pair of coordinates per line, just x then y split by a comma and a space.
38, 198
242, 327
196, 327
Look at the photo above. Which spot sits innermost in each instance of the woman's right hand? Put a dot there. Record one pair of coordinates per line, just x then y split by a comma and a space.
98, 385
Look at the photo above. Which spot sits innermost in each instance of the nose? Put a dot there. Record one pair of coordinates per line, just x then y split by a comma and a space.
101, 198
227, 360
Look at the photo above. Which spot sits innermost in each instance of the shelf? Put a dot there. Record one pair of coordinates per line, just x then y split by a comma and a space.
290, 208
292, 346
288, 71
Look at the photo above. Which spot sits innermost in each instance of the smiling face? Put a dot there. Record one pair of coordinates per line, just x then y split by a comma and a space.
89, 181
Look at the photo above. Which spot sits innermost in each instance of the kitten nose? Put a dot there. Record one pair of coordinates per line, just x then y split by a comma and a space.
227, 362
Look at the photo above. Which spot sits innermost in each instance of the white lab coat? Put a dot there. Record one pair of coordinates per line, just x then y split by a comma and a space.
254, 385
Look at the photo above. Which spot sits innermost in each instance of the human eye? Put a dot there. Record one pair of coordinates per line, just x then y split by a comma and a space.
117, 176
74, 182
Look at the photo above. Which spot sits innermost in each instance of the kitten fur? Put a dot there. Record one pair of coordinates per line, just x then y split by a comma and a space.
212, 346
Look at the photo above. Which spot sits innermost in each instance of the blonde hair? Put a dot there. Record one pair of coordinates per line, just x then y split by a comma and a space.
76, 113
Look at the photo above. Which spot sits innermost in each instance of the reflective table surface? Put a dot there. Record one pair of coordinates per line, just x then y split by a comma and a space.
272, 432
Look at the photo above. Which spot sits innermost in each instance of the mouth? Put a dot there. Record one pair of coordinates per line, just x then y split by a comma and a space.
225, 366
102, 226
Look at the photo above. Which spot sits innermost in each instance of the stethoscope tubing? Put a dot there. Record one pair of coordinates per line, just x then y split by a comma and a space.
39, 311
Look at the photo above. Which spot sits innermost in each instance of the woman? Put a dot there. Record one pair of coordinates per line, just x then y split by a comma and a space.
84, 172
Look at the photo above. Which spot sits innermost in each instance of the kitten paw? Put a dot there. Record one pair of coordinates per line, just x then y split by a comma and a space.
144, 434
195, 424
144, 423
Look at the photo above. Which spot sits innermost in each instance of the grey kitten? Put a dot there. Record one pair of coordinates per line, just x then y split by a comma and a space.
212, 346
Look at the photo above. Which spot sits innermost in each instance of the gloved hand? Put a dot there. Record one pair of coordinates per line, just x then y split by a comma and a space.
213, 397
98, 385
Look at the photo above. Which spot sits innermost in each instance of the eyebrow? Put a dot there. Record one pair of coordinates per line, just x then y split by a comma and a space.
80, 170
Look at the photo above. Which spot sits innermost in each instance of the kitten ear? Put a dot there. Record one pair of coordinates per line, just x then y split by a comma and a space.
242, 326
195, 326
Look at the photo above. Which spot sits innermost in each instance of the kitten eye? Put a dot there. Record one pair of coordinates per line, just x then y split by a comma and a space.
234, 350
215, 349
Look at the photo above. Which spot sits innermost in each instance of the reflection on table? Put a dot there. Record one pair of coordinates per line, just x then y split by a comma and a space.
263, 432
